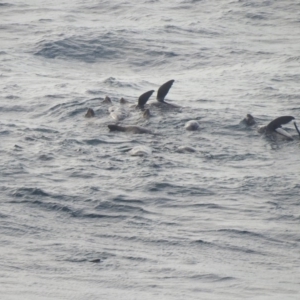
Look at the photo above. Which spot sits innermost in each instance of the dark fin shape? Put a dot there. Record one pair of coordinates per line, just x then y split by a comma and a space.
144, 98
90, 113
278, 122
163, 90
297, 128
107, 100
113, 127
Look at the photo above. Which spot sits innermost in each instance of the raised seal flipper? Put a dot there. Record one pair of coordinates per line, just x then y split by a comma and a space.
144, 98
272, 126
163, 90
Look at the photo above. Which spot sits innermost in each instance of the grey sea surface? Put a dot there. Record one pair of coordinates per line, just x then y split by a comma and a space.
83, 219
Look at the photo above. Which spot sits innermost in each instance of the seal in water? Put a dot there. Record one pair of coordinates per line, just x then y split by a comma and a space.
121, 112
123, 101
275, 127
131, 129
249, 120
140, 151
90, 113
192, 125
118, 113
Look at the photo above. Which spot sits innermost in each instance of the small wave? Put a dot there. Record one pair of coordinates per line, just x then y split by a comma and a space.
242, 232
24, 192
52, 206
256, 16
247, 3
211, 278
6, 5
111, 81
14, 108
5, 132
45, 20
45, 130
45, 157
134, 258
124, 208
94, 216
79, 214
106, 47
175, 189
65, 111
192, 29
95, 142
55, 96
62, 105
201, 242
12, 97
2, 216
109, 47
293, 59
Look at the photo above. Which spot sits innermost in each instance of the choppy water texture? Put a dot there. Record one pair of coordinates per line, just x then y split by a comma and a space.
83, 219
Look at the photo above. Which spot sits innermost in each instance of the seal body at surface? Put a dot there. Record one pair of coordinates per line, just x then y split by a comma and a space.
123, 101
131, 129
118, 113
140, 151
192, 125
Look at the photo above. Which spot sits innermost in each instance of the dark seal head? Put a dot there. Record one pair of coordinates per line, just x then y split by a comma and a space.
107, 100
249, 120
123, 101
90, 113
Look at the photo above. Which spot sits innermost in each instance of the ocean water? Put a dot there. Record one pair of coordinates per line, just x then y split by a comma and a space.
83, 219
